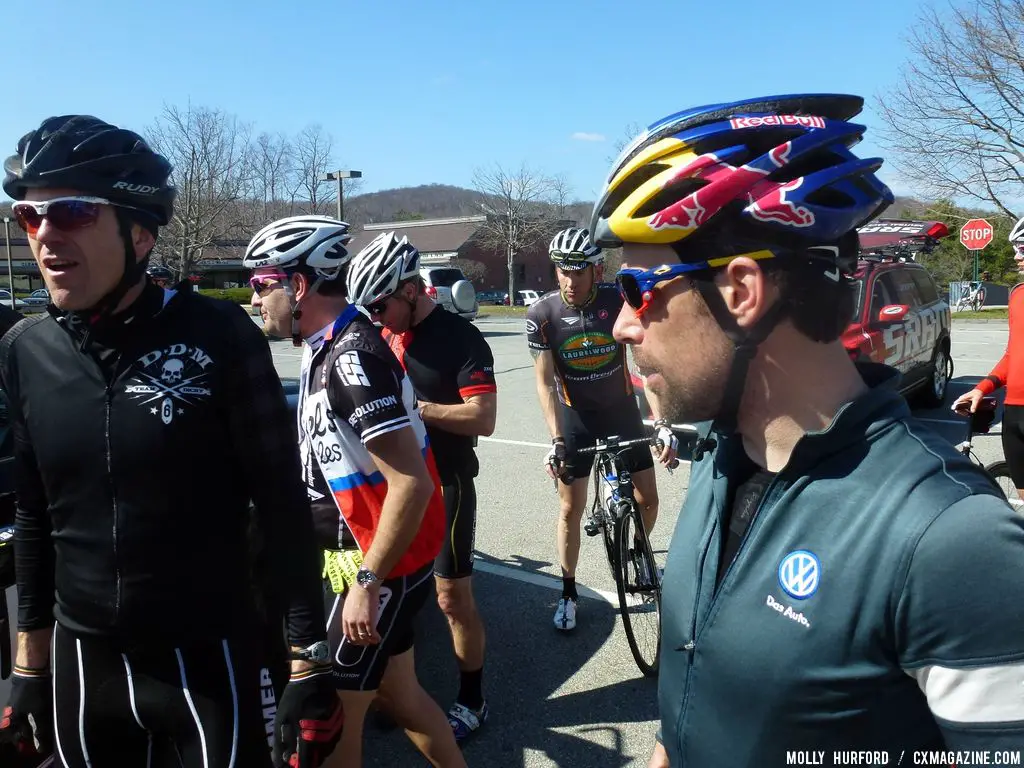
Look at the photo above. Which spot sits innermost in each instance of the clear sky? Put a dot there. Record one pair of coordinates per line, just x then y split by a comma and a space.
421, 92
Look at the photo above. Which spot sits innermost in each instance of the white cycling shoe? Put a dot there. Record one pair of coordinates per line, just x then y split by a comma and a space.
565, 614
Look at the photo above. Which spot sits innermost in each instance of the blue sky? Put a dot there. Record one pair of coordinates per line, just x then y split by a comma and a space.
420, 92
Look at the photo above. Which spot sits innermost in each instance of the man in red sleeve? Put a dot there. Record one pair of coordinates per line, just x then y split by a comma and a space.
1009, 373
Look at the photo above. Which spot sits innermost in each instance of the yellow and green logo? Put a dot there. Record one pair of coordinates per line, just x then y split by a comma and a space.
588, 351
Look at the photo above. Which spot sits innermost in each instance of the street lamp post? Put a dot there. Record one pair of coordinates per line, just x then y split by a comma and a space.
338, 176
10, 264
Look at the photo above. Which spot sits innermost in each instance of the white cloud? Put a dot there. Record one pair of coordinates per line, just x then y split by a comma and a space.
584, 136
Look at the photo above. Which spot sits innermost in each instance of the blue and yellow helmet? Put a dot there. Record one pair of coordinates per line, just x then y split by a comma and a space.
772, 173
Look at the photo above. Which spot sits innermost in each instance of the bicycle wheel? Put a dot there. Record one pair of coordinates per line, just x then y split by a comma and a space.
1000, 472
639, 589
603, 517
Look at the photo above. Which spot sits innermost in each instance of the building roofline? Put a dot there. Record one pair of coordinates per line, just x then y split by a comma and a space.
425, 223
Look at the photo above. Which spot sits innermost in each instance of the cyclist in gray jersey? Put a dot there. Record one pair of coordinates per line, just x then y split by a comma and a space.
585, 393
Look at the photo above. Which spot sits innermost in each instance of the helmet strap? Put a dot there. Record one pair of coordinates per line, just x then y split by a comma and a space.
134, 269
296, 310
745, 344
590, 296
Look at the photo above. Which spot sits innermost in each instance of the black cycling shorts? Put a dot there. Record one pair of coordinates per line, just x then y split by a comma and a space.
1013, 442
582, 428
361, 667
199, 705
456, 558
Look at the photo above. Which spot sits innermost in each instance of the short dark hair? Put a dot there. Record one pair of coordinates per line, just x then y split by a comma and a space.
335, 287
819, 306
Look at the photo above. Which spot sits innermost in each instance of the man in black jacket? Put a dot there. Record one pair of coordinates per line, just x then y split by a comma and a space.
8, 318
145, 422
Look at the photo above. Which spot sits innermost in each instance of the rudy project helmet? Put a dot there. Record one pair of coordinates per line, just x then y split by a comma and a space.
315, 242
84, 153
571, 250
772, 175
378, 269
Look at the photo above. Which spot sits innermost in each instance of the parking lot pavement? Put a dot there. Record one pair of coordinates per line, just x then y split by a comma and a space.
556, 700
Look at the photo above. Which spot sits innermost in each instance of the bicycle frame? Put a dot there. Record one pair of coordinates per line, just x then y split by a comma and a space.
608, 463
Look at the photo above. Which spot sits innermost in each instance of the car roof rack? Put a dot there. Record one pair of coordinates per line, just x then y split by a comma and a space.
896, 253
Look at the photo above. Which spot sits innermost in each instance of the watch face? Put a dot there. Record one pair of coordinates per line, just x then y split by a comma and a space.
319, 652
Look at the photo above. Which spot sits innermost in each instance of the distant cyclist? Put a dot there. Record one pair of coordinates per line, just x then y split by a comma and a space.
161, 276
145, 422
1009, 373
585, 393
452, 372
371, 475
840, 579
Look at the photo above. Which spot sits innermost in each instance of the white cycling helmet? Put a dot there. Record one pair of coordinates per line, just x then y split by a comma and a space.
317, 242
571, 250
377, 270
1017, 237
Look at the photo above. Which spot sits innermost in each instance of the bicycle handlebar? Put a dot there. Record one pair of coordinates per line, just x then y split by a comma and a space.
607, 446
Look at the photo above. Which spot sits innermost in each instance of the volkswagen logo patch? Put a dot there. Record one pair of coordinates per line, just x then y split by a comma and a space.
800, 573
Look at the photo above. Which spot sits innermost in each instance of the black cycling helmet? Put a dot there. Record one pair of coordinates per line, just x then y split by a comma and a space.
160, 273
84, 153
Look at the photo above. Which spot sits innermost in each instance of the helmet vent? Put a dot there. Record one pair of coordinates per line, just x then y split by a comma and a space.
629, 186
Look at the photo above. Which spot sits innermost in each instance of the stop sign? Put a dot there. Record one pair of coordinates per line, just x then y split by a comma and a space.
976, 234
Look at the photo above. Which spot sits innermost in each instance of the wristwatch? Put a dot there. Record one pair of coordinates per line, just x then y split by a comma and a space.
366, 578
319, 653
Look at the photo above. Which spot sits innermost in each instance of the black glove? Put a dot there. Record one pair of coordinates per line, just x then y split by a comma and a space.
27, 720
309, 720
556, 456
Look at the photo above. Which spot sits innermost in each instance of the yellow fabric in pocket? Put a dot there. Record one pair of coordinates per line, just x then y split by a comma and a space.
341, 566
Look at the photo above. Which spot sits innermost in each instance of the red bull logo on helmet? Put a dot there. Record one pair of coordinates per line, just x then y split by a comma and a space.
725, 183
771, 204
804, 121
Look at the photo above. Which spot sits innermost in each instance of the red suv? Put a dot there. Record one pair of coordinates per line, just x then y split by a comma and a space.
902, 320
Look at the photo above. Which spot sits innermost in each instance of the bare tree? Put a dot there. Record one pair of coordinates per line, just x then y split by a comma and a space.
313, 159
954, 121
472, 269
515, 203
630, 132
272, 160
561, 196
209, 150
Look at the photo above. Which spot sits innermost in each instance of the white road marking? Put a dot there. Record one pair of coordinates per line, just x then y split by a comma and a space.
527, 443
543, 580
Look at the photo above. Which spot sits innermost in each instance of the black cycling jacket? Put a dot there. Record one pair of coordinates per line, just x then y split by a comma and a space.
136, 461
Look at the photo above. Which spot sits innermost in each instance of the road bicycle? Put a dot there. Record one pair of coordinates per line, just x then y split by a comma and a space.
972, 298
979, 423
615, 515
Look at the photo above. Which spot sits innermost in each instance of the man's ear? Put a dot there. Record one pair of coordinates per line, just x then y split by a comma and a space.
142, 240
300, 285
746, 290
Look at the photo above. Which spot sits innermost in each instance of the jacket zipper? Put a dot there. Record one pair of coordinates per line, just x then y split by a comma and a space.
691, 646
113, 498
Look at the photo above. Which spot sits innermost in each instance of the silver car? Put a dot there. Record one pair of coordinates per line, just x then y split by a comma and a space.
450, 288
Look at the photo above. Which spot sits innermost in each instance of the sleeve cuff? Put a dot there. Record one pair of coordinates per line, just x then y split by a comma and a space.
988, 385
